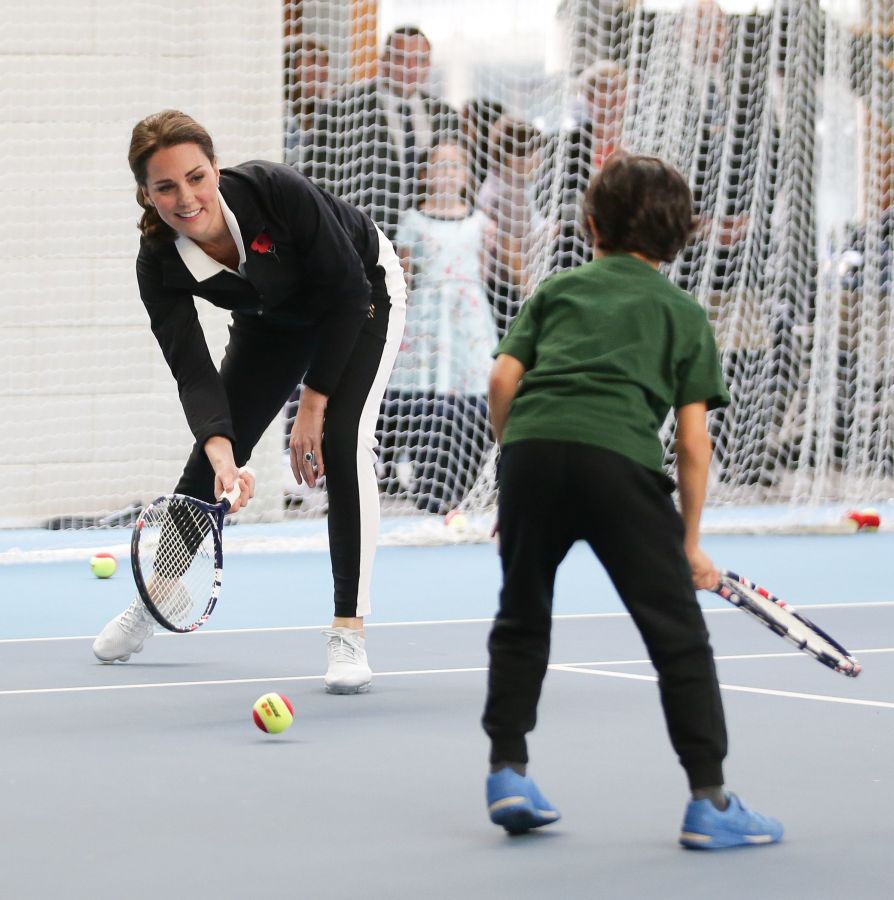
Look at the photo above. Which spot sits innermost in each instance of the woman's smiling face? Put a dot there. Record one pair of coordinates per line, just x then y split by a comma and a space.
181, 183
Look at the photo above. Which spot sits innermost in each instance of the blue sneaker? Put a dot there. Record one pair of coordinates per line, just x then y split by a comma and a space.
707, 828
515, 802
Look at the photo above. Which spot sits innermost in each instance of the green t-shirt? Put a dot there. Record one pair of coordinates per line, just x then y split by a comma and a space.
609, 347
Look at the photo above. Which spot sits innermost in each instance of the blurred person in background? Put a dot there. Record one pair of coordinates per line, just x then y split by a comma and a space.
307, 90
602, 89
476, 119
371, 135
439, 383
508, 197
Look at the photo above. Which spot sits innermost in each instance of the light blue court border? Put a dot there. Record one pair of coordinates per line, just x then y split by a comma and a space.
432, 583
715, 520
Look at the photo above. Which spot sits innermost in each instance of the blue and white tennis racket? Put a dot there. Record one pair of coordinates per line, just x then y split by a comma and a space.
785, 621
177, 557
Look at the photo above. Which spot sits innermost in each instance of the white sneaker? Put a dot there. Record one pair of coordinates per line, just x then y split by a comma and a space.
348, 671
124, 634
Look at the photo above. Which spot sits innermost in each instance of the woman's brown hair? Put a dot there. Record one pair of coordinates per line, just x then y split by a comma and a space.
167, 128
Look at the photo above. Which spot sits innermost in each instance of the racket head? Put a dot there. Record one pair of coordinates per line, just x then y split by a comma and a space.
787, 622
177, 560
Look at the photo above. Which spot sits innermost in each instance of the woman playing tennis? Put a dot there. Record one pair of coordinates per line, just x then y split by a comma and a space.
317, 297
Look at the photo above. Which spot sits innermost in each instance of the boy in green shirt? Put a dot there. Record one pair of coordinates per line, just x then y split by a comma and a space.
581, 386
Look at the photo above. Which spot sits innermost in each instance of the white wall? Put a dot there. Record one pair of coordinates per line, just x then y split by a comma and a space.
89, 417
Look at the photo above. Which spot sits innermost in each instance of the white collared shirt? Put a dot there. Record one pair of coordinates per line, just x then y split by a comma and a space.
200, 265
422, 133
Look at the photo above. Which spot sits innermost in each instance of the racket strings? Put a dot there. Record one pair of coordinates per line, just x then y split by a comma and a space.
177, 559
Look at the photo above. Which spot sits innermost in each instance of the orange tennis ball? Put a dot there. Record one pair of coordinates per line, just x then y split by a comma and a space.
103, 565
865, 519
871, 519
273, 713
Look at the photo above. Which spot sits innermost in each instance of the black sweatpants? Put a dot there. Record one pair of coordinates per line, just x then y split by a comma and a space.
552, 494
263, 363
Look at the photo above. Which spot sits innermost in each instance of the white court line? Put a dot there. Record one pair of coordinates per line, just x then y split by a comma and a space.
580, 667
224, 631
93, 688
558, 618
769, 692
786, 654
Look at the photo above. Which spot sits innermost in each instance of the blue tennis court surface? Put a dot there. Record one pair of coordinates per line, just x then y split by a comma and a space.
149, 779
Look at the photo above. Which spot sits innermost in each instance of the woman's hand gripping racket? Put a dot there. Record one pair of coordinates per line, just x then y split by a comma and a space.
177, 558
786, 622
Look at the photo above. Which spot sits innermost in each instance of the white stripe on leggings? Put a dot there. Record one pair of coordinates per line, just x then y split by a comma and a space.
368, 489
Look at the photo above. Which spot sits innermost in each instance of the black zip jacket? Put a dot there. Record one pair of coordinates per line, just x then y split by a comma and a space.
310, 258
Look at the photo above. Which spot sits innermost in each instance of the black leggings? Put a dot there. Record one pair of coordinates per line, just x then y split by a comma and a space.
553, 493
262, 365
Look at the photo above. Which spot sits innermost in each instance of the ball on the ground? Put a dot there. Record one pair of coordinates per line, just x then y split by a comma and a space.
455, 519
273, 713
864, 519
871, 519
103, 565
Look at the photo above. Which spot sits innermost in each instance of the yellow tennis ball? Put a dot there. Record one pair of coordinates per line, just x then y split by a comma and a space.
103, 565
272, 713
455, 519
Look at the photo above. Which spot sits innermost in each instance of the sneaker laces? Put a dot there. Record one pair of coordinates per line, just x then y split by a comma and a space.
134, 619
342, 648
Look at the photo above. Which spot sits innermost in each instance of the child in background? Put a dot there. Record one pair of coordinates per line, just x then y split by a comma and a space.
580, 388
440, 377
509, 198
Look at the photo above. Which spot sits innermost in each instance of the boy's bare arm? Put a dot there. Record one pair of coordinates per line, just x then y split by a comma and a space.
502, 388
693, 459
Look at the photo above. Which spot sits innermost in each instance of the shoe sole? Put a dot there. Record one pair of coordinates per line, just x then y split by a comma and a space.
114, 659
694, 841
517, 816
347, 689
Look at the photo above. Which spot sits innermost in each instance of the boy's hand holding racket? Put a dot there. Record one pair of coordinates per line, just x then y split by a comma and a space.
704, 574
